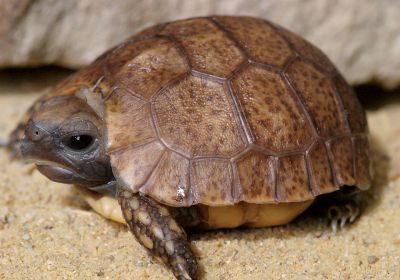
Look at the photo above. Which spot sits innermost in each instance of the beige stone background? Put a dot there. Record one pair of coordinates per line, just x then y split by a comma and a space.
362, 37
48, 232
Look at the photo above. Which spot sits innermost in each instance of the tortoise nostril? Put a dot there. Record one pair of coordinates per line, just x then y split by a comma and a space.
36, 135
33, 132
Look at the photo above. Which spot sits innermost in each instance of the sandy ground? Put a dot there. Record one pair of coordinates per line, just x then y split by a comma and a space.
48, 232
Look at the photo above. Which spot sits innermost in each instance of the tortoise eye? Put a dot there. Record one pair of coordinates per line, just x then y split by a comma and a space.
78, 142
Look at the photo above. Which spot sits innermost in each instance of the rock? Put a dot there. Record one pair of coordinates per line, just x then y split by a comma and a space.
362, 37
10, 11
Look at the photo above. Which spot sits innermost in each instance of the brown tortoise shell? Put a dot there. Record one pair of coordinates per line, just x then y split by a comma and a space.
220, 110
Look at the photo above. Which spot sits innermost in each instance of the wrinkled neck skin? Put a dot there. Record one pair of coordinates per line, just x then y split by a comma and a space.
65, 139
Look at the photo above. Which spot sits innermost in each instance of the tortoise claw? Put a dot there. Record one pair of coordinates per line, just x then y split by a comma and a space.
343, 214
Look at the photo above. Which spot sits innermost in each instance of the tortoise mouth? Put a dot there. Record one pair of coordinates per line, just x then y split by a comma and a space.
62, 174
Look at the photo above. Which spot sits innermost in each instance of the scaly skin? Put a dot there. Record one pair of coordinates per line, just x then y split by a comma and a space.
155, 228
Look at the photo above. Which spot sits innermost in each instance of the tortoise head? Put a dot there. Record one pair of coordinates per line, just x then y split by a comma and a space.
64, 137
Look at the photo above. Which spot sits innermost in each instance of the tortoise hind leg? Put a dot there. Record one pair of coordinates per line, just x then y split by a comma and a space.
154, 227
341, 207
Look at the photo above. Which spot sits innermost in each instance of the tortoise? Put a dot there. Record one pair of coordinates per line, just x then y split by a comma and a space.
204, 123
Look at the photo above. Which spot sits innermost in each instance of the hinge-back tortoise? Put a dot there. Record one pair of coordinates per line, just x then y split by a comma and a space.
204, 123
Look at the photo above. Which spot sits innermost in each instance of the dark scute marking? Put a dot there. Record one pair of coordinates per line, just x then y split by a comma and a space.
259, 39
363, 165
354, 111
196, 117
319, 94
343, 160
128, 120
321, 176
212, 182
256, 176
292, 176
169, 182
309, 51
207, 47
271, 110
151, 68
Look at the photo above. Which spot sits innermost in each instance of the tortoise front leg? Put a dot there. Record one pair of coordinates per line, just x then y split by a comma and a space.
156, 229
